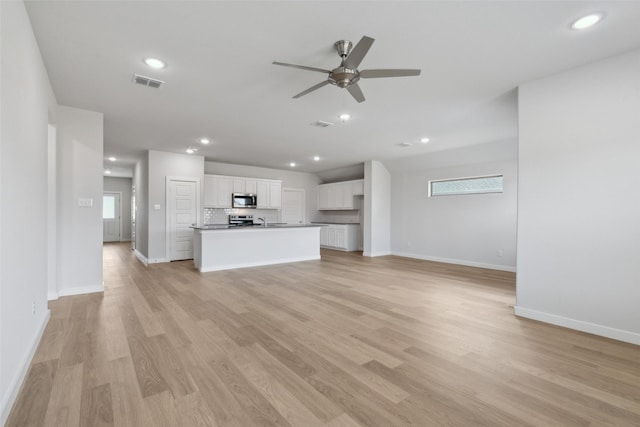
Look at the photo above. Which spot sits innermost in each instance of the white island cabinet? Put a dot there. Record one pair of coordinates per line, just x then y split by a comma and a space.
227, 248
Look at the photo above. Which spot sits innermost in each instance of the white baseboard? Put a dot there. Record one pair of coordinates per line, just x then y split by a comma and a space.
157, 260
374, 254
457, 261
52, 296
258, 264
142, 258
579, 325
80, 290
19, 377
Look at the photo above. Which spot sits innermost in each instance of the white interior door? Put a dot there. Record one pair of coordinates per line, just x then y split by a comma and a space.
111, 217
182, 214
293, 205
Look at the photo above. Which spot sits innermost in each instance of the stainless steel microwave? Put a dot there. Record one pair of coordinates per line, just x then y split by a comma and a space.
244, 200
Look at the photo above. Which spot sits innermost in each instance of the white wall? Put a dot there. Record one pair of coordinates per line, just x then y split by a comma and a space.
467, 229
26, 99
79, 234
290, 179
52, 213
123, 186
161, 165
578, 208
377, 210
141, 182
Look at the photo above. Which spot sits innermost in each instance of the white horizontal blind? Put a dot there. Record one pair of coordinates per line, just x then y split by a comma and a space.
475, 185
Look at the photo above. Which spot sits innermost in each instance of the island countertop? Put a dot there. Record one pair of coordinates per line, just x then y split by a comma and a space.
206, 227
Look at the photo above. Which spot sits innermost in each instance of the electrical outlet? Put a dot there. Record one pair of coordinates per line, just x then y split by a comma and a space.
33, 308
499, 253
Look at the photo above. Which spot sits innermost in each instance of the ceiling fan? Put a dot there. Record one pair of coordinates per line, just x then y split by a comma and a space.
347, 74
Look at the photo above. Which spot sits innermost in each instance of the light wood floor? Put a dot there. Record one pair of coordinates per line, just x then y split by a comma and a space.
347, 341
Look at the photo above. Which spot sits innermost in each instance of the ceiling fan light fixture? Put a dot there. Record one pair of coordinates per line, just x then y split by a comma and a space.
345, 116
155, 63
424, 140
347, 75
587, 21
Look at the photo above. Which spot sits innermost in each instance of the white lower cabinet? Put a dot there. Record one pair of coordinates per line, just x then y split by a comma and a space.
343, 237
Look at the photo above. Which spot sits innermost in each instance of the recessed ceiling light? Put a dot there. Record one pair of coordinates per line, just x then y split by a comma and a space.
108, 171
316, 158
112, 159
424, 140
155, 63
587, 21
344, 117
205, 141
190, 150
292, 164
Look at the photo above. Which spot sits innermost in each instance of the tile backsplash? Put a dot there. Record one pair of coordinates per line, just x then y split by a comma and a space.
338, 216
221, 216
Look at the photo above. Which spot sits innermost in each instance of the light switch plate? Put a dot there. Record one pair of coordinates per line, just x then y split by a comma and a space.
85, 202
156, 207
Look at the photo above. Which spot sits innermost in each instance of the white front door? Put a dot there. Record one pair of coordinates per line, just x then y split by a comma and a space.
293, 205
111, 217
182, 214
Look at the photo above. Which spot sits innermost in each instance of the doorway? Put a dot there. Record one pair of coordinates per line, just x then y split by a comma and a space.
182, 212
111, 216
293, 202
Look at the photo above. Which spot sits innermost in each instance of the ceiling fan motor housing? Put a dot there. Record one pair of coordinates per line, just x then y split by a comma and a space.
343, 47
343, 77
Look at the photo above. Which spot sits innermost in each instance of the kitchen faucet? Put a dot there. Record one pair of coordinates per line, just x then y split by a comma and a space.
264, 221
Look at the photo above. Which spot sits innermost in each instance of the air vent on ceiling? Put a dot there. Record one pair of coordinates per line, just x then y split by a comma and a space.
404, 144
147, 81
321, 124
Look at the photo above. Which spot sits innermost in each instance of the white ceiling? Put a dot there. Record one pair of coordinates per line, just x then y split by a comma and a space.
220, 81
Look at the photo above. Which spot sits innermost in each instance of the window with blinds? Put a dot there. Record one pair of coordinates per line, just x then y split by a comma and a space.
458, 186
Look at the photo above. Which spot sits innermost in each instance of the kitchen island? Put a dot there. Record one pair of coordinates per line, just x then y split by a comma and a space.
224, 247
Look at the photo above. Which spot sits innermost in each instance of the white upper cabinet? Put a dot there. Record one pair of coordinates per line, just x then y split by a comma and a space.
358, 187
222, 188
251, 186
275, 194
209, 191
218, 190
262, 193
239, 185
339, 195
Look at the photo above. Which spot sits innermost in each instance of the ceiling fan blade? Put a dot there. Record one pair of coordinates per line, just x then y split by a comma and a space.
374, 74
302, 67
356, 92
311, 89
358, 52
